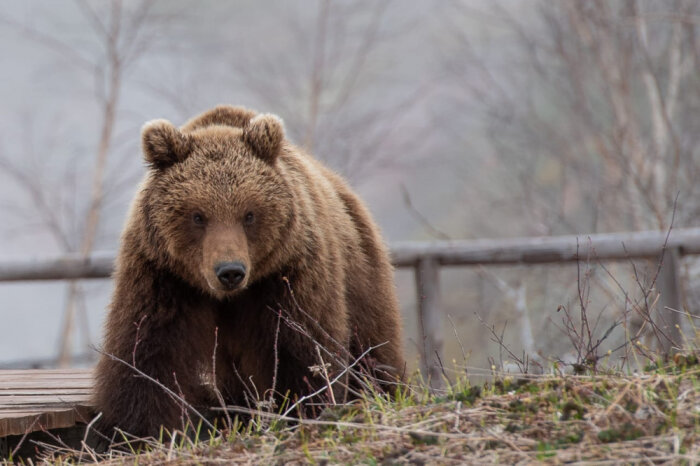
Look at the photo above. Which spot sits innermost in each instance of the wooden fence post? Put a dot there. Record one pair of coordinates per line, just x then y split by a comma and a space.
669, 285
429, 318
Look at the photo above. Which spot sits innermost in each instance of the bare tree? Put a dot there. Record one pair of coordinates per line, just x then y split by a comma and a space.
323, 89
599, 94
123, 34
585, 113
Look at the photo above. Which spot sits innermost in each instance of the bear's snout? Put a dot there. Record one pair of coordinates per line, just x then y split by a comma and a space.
230, 274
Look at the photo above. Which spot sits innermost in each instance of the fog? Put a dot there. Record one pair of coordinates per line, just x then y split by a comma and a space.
453, 120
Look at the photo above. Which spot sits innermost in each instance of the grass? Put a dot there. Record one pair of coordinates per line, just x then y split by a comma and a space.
651, 416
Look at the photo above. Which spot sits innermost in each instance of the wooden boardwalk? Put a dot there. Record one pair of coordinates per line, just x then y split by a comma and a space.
34, 400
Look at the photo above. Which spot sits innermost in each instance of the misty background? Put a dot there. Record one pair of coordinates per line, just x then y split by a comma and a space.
453, 120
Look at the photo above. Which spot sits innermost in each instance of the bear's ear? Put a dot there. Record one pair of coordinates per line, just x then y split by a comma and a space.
164, 144
226, 115
264, 134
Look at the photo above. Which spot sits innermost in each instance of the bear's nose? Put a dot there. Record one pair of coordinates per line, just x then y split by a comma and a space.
230, 274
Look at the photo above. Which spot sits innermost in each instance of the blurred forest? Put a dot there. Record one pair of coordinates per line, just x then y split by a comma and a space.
453, 119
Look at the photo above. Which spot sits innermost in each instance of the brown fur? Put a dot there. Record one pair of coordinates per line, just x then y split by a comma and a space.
314, 259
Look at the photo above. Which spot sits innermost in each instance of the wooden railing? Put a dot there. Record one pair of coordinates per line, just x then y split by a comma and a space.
427, 257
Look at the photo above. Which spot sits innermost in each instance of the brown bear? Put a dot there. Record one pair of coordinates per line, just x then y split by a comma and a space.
244, 263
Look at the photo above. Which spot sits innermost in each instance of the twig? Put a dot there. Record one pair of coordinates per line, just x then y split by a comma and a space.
159, 384
335, 379
217, 392
84, 442
324, 370
442, 366
459, 340
276, 355
24, 437
137, 339
422, 219
501, 344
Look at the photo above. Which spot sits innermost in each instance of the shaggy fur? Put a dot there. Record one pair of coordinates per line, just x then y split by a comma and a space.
227, 187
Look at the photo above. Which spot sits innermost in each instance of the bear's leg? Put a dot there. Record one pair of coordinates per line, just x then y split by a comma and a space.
374, 314
153, 383
158, 346
376, 324
316, 339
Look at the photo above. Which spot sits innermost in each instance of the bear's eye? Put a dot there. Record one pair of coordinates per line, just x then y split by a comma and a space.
249, 218
198, 218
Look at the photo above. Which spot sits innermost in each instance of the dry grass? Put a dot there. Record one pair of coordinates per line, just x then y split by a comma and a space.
651, 417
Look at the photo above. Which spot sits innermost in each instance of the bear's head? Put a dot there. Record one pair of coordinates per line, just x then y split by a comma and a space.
216, 202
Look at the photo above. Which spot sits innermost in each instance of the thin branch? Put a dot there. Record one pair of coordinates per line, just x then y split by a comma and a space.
415, 213
160, 385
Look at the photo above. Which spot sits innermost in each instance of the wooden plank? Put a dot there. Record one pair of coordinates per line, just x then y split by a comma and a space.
45, 383
43, 380
19, 424
40, 379
7, 376
46, 378
37, 409
33, 400
6, 385
46, 372
4, 376
39, 404
29, 381
48, 391
9, 400
22, 411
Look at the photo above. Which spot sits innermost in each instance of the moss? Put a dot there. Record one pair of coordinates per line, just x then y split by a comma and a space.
423, 439
626, 432
468, 395
572, 410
